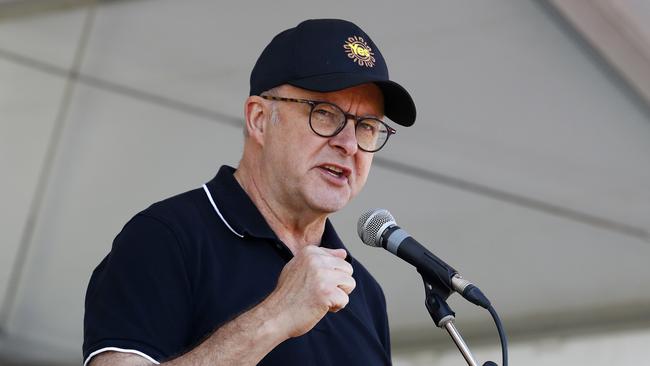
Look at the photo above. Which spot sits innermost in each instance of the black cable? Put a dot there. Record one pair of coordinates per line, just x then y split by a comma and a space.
502, 335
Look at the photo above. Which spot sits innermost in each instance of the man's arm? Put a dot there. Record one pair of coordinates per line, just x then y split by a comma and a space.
315, 281
244, 340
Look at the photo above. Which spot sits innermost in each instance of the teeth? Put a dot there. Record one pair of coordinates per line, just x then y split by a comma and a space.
334, 169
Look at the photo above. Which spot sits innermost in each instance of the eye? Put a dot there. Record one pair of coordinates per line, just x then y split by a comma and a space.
326, 114
323, 112
368, 127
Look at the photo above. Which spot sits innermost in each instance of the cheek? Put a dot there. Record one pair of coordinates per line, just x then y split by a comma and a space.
285, 151
363, 168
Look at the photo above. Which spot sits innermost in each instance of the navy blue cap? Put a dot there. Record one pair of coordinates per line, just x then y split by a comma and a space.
326, 55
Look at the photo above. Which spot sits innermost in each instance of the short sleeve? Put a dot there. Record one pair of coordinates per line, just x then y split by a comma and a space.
139, 297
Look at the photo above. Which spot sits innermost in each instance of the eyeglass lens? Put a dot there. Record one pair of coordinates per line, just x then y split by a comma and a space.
327, 120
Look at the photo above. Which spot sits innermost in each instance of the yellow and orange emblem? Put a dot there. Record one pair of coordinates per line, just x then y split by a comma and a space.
359, 51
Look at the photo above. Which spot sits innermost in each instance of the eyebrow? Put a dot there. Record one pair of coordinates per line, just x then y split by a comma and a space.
378, 116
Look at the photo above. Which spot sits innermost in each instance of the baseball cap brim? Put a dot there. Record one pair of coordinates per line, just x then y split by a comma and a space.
398, 104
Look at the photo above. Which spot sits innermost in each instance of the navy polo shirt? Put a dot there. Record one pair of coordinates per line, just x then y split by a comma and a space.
188, 264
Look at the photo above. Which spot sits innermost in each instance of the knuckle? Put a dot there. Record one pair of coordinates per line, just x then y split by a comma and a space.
312, 261
353, 283
323, 289
305, 252
343, 265
320, 274
343, 300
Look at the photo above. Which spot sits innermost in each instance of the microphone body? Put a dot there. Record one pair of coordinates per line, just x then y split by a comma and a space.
378, 228
397, 241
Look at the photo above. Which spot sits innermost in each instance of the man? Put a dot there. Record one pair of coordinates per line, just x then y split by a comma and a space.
248, 269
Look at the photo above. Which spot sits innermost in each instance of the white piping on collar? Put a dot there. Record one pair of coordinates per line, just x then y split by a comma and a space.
207, 192
121, 350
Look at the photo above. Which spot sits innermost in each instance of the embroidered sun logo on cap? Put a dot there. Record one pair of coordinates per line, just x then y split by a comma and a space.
359, 51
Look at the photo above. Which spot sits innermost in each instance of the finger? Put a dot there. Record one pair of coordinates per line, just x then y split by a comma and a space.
336, 263
339, 300
343, 266
347, 285
341, 253
342, 281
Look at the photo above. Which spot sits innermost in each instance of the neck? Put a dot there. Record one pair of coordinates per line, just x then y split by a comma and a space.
295, 228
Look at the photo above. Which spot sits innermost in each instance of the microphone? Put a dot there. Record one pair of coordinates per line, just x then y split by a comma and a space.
378, 228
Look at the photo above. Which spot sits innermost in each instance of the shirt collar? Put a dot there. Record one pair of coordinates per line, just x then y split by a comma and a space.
236, 208
240, 213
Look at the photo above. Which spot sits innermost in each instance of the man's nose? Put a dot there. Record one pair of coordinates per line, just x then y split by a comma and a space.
346, 140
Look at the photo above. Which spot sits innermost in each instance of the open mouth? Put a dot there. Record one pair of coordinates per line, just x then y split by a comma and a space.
335, 171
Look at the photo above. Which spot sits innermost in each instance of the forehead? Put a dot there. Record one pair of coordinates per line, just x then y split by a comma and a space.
366, 98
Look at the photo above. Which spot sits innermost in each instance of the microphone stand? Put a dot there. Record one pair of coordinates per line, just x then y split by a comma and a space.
444, 317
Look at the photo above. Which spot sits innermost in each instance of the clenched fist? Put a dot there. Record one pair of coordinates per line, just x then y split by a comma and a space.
316, 280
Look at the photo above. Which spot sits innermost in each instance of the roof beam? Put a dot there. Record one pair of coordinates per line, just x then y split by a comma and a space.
617, 30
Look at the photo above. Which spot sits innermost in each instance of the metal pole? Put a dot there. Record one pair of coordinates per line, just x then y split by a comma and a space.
460, 343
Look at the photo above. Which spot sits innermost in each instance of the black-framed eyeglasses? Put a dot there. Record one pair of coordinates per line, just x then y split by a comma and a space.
327, 120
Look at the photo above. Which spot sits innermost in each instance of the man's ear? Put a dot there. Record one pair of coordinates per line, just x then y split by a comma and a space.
256, 113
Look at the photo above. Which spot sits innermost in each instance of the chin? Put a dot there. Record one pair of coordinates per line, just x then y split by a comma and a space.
330, 202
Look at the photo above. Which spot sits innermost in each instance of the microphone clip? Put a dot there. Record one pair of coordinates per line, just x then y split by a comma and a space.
443, 317
436, 305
